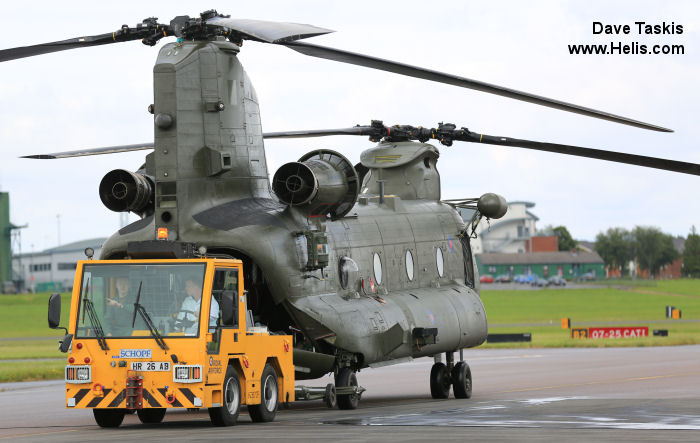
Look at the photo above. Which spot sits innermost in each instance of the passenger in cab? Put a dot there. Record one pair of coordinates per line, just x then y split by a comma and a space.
188, 317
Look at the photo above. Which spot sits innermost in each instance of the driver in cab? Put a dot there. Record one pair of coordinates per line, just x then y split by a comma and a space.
188, 317
119, 309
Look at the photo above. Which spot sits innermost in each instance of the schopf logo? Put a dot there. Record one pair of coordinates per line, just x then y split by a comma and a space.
134, 353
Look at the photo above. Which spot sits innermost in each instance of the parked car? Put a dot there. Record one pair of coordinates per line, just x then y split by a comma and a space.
588, 276
503, 278
538, 281
486, 278
556, 281
526, 278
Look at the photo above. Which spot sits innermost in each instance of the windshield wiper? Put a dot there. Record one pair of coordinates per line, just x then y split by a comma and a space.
94, 319
147, 319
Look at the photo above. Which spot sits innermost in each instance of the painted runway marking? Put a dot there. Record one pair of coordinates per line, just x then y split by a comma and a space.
508, 357
513, 414
543, 401
37, 433
606, 382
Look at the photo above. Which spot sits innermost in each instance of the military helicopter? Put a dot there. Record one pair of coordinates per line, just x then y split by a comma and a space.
364, 263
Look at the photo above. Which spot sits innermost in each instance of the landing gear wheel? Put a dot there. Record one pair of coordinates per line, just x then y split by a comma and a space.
462, 380
440, 381
329, 398
269, 397
108, 418
153, 415
346, 377
227, 414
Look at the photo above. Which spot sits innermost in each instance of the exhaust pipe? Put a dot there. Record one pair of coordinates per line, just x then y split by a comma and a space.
322, 182
122, 191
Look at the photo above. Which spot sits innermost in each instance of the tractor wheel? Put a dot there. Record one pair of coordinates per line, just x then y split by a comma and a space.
269, 397
227, 414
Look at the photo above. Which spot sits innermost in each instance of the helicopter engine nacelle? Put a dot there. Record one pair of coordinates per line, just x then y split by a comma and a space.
322, 182
492, 205
122, 190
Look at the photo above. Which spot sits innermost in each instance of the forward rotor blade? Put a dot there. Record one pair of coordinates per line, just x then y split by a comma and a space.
267, 31
440, 77
612, 156
143, 146
358, 130
94, 151
447, 133
458, 135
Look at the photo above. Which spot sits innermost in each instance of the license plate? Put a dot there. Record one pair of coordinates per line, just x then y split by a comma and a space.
150, 366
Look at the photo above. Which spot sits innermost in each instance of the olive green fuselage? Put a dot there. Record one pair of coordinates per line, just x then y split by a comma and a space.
211, 187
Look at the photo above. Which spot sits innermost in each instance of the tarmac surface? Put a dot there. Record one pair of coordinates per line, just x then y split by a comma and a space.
606, 394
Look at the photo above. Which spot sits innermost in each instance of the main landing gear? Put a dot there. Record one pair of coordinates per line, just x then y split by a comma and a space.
444, 375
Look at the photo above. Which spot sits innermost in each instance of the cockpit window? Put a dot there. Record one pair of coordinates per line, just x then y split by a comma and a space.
468, 259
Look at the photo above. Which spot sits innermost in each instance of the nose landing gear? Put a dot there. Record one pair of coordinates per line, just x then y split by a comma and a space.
346, 379
444, 375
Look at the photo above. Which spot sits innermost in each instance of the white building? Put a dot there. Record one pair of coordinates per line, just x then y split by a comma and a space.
54, 268
509, 234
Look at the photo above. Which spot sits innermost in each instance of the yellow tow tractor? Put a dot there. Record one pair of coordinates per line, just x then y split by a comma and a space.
149, 334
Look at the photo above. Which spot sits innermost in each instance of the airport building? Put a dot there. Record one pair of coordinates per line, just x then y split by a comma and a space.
511, 246
566, 264
52, 270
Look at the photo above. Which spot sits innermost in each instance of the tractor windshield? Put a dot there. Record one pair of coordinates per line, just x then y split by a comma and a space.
170, 294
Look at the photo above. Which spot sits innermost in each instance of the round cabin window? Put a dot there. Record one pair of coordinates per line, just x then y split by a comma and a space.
440, 262
377, 269
409, 264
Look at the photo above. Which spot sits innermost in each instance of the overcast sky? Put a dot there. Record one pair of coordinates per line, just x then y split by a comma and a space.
98, 97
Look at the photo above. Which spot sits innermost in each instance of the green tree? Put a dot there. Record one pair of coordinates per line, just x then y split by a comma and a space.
616, 248
566, 241
653, 248
691, 255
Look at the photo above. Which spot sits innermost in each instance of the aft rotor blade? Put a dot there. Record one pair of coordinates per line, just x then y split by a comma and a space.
440, 77
617, 157
94, 151
46, 48
267, 31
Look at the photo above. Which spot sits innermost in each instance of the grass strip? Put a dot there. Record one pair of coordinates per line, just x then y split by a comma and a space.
25, 315
24, 328
631, 305
31, 370
28, 349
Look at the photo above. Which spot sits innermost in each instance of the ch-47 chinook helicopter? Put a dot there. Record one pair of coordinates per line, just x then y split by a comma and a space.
365, 264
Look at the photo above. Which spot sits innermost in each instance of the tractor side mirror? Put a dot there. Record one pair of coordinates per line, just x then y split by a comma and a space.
55, 319
64, 345
54, 311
